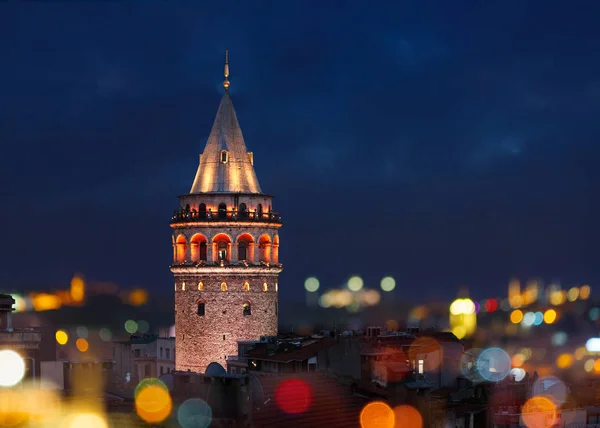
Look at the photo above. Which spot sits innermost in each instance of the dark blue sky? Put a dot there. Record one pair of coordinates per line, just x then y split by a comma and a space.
441, 142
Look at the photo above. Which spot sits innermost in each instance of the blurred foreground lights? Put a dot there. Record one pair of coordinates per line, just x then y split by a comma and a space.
105, 335
538, 318
593, 344
194, 413
564, 361
377, 414
594, 314
516, 316
311, 284
82, 345
131, 326
518, 373
493, 364
539, 411
528, 319
559, 338
573, 294
12, 368
388, 283
143, 326
462, 306
460, 331
550, 316
407, 416
62, 337
355, 283
153, 402
584, 292
87, 420
82, 332
138, 297
588, 366
293, 396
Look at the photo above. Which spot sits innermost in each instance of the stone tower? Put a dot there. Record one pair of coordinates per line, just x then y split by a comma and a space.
225, 251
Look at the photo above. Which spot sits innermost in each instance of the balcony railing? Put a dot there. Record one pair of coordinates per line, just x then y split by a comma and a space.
236, 359
182, 215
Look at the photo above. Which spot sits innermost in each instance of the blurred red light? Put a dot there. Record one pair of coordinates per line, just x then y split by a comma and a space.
293, 396
491, 305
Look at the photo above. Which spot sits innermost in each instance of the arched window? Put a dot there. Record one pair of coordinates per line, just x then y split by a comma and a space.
259, 210
223, 286
246, 286
222, 250
187, 208
224, 156
242, 250
202, 210
246, 309
183, 286
201, 308
200, 286
222, 210
265, 287
243, 210
203, 251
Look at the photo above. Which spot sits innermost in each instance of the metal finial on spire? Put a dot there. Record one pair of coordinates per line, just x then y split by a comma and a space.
226, 82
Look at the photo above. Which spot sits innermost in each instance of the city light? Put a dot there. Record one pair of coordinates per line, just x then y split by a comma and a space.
12, 368
62, 337
355, 283
550, 316
388, 283
311, 284
593, 344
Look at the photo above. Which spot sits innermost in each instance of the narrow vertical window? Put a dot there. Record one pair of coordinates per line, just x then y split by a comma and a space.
246, 310
223, 286
224, 156
265, 287
200, 286
201, 309
246, 286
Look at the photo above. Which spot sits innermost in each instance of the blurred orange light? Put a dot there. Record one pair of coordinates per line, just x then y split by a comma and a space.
539, 411
138, 297
82, 345
550, 316
564, 361
518, 360
153, 404
45, 302
77, 289
584, 292
13, 410
407, 417
597, 366
516, 316
377, 414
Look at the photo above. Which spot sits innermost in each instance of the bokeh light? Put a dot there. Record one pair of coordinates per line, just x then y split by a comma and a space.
551, 387
82, 331
377, 414
388, 283
138, 297
584, 292
143, 326
594, 314
460, 331
491, 305
550, 316
528, 319
153, 403
538, 318
593, 344
87, 420
559, 338
131, 326
588, 366
407, 417
82, 344
539, 411
194, 413
597, 366
516, 316
573, 294
564, 361
13, 408
62, 337
12, 368
493, 364
311, 284
105, 335
293, 396
518, 373
355, 283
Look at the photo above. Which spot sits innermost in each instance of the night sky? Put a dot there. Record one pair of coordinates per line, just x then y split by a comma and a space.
444, 143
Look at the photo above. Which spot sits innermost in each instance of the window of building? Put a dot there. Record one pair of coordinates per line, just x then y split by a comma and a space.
161, 352
203, 251
147, 370
222, 210
246, 309
243, 210
223, 286
259, 210
421, 366
246, 286
224, 156
222, 250
202, 210
136, 353
161, 370
200, 286
201, 309
265, 287
223, 337
168, 353
242, 250
183, 286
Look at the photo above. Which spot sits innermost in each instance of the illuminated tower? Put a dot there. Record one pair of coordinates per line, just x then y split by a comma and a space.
225, 251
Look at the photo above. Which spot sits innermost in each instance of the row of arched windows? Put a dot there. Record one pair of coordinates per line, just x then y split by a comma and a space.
242, 210
246, 286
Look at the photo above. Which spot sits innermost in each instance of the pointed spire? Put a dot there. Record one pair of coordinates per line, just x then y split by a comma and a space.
226, 83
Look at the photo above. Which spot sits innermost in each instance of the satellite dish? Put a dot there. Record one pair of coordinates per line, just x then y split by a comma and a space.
215, 369
258, 394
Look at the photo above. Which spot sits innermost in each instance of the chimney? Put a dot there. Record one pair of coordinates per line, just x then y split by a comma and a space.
6, 308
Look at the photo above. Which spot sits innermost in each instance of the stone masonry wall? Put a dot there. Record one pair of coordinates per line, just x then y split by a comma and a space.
204, 339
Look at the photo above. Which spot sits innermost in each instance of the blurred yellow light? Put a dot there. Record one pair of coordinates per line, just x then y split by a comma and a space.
355, 283
580, 353
516, 301
138, 297
550, 316
516, 316
45, 302
82, 345
153, 404
518, 360
584, 292
12, 368
377, 414
62, 337
388, 283
311, 284
77, 289
558, 297
87, 420
573, 294
564, 361
588, 366
13, 408
459, 331
526, 352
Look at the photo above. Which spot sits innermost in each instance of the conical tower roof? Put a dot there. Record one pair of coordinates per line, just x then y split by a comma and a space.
226, 166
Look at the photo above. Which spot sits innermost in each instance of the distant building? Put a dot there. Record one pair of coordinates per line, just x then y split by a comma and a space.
143, 357
225, 251
62, 374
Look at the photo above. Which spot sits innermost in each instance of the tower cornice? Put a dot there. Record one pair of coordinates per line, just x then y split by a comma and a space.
226, 270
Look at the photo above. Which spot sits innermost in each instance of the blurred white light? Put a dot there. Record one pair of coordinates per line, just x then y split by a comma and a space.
12, 368
528, 319
311, 284
388, 283
518, 373
355, 283
559, 338
593, 344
